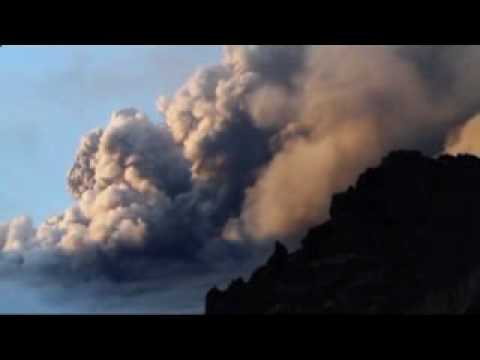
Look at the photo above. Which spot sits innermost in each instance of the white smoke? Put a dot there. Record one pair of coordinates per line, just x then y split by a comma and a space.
123, 176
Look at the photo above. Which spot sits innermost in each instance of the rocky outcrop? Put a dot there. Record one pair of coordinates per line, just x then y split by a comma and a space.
404, 240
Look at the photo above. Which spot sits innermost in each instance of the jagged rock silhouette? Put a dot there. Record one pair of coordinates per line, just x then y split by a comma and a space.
404, 240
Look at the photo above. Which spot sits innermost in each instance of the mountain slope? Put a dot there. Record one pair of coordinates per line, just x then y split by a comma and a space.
405, 239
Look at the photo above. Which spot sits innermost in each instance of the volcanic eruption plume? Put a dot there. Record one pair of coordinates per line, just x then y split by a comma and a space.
251, 151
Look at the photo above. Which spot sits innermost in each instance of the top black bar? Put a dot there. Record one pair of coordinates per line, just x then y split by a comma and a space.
238, 23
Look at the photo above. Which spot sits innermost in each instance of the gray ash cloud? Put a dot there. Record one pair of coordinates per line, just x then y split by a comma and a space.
251, 151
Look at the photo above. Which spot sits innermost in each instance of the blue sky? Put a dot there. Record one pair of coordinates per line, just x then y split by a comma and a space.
53, 95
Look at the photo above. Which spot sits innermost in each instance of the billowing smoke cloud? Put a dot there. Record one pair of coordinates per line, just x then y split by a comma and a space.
309, 119
124, 177
250, 151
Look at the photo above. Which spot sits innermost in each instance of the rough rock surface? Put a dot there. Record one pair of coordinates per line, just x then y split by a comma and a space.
404, 240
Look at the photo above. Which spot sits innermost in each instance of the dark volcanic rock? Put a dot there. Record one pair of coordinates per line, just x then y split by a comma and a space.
405, 240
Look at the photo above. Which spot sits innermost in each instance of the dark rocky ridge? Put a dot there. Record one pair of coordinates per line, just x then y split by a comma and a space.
405, 240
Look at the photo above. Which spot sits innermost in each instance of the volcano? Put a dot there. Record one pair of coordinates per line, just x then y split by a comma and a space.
404, 240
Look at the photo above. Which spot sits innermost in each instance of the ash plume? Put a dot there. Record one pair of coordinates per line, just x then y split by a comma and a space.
251, 151
323, 114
